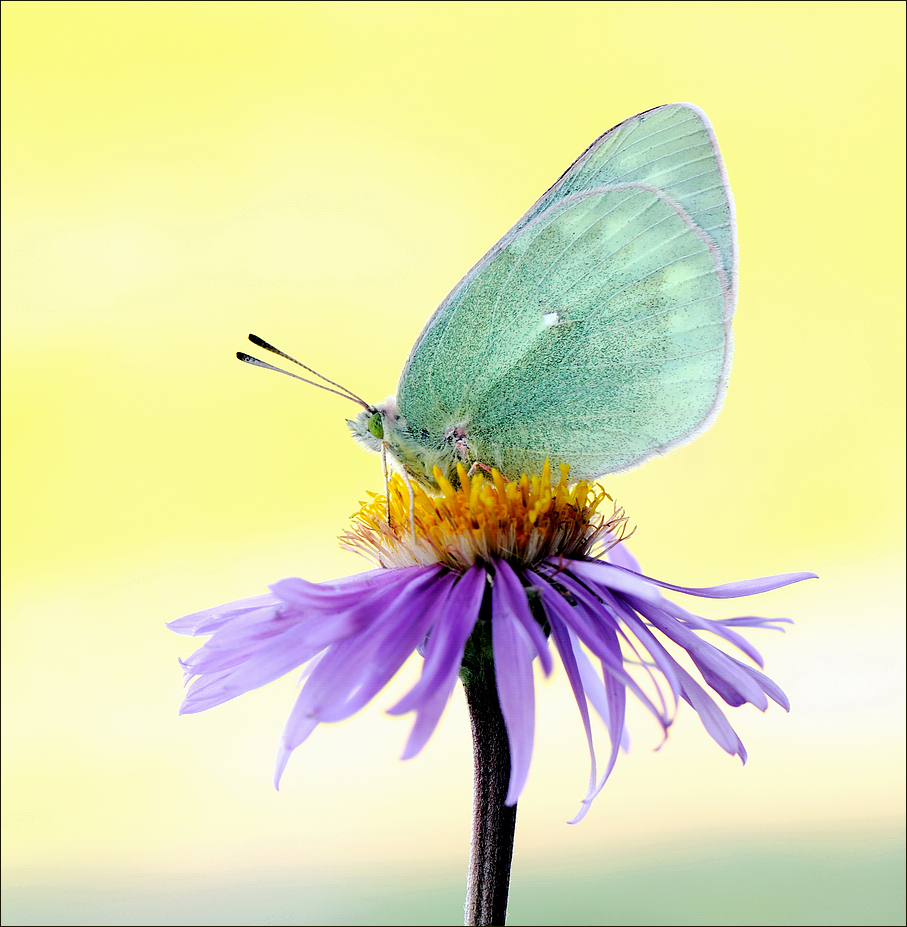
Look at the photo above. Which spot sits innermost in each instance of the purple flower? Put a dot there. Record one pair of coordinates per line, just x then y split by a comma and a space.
502, 567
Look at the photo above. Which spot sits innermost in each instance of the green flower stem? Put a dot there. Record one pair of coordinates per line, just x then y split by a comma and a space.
493, 823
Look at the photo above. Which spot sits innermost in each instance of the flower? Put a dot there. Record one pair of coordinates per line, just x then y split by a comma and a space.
496, 568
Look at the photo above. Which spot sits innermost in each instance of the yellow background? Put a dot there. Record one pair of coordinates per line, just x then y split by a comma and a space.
179, 174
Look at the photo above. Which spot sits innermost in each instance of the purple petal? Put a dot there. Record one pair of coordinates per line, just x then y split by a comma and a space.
276, 659
513, 656
721, 629
720, 671
239, 640
742, 587
427, 716
299, 726
620, 556
769, 686
260, 645
328, 691
444, 650
346, 592
587, 621
622, 607
353, 670
206, 692
509, 595
754, 621
594, 687
608, 697
617, 702
607, 576
398, 633
713, 719
209, 620
563, 640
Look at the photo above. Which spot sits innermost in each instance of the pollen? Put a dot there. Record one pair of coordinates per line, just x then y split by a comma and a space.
523, 521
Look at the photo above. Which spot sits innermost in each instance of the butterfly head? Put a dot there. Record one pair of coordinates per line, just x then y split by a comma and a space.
383, 430
374, 425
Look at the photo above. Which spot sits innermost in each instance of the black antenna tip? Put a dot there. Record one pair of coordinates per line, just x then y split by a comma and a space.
260, 342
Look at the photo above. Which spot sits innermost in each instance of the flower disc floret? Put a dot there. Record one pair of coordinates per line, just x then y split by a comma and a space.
486, 519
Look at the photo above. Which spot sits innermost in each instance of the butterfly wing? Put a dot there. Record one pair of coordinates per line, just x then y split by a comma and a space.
671, 148
597, 331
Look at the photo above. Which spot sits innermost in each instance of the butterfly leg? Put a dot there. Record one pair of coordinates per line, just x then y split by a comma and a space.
412, 506
478, 465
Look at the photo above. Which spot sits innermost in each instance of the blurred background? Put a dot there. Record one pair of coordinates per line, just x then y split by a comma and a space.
177, 175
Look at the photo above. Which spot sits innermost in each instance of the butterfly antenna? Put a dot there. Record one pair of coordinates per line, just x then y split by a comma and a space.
260, 342
255, 362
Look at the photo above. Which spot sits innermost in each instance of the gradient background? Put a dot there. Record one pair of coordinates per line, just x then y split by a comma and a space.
179, 174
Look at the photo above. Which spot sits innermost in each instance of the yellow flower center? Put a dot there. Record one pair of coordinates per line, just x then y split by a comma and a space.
522, 522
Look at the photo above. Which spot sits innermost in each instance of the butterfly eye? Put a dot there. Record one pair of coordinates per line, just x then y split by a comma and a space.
376, 426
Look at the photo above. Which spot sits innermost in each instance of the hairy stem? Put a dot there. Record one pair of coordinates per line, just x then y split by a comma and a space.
493, 823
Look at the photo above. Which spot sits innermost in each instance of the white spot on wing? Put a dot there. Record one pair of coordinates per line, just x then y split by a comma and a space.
551, 319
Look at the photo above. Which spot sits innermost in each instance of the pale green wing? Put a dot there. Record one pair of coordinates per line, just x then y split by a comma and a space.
670, 148
596, 332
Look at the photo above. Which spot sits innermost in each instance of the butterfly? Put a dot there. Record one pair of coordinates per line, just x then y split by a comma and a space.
595, 333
